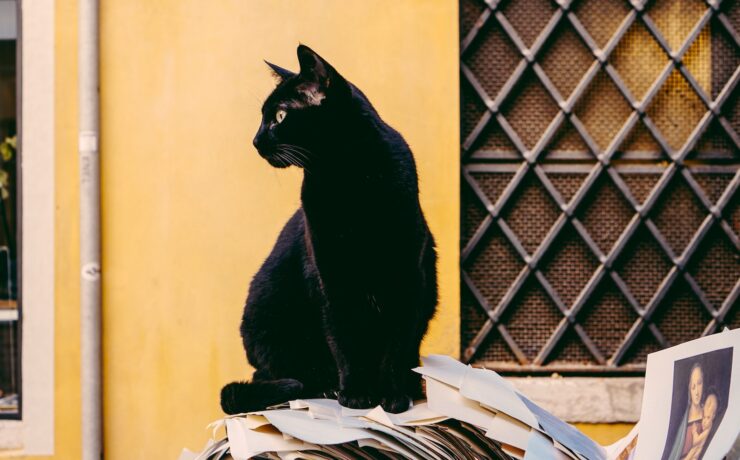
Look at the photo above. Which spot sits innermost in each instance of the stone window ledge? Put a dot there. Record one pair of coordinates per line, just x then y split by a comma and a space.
586, 399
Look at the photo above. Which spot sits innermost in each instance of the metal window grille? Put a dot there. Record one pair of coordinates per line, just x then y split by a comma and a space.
600, 171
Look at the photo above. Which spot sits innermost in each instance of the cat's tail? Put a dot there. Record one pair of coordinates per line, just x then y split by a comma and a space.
240, 397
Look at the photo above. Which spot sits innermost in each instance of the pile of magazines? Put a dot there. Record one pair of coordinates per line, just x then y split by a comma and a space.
690, 410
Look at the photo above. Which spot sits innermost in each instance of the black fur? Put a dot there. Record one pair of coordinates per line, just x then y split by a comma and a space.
344, 298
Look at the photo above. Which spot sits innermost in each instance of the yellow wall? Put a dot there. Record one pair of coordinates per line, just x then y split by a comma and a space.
605, 433
190, 210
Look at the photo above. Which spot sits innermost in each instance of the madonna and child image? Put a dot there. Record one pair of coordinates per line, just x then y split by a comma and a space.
701, 386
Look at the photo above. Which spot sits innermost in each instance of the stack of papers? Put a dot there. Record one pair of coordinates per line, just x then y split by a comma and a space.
322, 429
469, 414
473, 413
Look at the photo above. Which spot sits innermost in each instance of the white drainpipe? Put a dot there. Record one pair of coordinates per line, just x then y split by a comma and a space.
91, 381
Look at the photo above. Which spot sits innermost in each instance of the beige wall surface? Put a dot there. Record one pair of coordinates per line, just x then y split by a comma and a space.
190, 210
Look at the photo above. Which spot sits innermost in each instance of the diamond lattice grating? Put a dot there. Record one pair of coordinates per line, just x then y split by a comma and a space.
601, 172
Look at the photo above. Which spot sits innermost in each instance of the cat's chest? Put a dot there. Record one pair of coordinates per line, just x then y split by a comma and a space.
342, 230
348, 206
356, 217
348, 229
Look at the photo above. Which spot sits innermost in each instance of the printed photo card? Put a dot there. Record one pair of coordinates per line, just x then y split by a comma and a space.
691, 404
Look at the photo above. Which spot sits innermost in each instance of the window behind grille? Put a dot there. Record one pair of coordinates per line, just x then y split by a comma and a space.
600, 161
9, 310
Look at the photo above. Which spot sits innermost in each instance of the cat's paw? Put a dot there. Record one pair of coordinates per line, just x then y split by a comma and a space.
239, 397
396, 404
230, 397
357, 400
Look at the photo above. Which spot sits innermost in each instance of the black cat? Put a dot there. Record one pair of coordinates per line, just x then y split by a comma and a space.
344, 298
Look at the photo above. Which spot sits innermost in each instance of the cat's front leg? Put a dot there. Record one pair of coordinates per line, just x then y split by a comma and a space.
399, 384
406, 318
355, 338
358, 375
375, 350
382, 376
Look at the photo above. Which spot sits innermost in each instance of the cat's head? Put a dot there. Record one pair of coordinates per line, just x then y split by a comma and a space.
302, 110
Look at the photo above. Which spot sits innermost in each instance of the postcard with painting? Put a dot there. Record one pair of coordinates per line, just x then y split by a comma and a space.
690, 408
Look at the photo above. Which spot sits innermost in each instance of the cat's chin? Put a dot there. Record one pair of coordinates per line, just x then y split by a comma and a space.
277, 162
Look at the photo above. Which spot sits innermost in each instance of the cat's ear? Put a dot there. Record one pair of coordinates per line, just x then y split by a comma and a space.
314, 68
279, 72
318, 77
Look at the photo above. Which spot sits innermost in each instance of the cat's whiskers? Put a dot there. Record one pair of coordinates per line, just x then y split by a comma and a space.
282, 158
306, 152
294, 159
295, 148
285, 154
297, 155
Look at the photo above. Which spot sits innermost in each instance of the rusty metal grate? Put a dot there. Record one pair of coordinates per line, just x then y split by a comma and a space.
601, 167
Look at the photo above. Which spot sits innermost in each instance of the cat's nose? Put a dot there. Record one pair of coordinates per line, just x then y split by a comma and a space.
259, 137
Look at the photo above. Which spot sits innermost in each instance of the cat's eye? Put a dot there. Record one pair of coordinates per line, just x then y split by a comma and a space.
280, 115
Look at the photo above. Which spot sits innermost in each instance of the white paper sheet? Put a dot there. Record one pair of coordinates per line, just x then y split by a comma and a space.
316, 431
330, 409
509, 430
300, 425
443, 368
448, 401
245, 442
540, 447
491, 390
